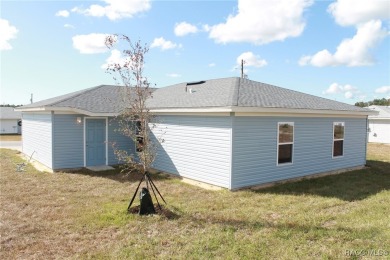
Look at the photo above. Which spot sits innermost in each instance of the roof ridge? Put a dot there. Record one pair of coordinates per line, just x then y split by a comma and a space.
77, 95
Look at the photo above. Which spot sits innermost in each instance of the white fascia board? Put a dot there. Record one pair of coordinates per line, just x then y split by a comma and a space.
221, 111
32, 109
378, 118
260, 111
63, 110
192, 110
298, 111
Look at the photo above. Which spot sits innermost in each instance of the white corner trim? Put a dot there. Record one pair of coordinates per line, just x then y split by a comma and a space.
106, 141
84, 142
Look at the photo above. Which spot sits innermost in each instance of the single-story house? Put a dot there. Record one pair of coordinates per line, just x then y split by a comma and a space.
228, 132
10, 121
379, 125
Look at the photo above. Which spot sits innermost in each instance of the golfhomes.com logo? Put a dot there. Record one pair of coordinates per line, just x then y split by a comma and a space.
367, 252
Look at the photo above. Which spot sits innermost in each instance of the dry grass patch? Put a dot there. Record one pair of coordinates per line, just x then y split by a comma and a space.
83, 215
378, 152
10, 137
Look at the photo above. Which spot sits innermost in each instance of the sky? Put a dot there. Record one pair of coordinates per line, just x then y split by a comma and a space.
338, 50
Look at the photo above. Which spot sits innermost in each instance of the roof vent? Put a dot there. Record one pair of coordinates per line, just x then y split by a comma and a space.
190, 90
195, 83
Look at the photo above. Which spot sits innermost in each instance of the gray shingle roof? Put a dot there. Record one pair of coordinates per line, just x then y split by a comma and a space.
212, 93
224, 92
242, 93
9, 113
100, 99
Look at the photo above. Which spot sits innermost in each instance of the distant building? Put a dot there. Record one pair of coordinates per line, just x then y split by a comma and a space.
10, 121
379, 125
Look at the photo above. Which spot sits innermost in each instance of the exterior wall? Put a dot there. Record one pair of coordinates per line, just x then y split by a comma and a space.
68, 141
379, 130
195, 147
121, 142
9, 126
255, 148
37, 137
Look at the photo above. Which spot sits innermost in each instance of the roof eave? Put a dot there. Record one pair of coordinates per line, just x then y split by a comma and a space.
208, 110
237, 109
66, 109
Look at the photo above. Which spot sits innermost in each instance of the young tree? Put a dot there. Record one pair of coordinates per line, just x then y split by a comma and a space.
135, 119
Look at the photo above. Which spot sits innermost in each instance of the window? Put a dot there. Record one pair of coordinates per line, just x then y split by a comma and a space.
285, 142
338, 139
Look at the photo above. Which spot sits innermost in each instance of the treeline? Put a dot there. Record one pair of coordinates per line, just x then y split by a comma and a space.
8, 105
376, 102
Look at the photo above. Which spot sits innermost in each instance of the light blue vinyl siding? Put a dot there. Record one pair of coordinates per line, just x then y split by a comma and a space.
255, 148
195, 147
121, 142
37, 137
68, 141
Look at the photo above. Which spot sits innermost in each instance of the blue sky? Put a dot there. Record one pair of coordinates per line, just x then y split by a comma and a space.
335, 49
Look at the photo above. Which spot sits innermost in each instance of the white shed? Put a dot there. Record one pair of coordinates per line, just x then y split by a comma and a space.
379, 125
10, 121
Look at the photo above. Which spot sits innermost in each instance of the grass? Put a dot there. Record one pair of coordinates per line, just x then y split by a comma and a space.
10, 137
83, 215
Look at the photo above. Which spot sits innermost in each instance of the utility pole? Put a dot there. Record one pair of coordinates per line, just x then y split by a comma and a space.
242, 69
31, 99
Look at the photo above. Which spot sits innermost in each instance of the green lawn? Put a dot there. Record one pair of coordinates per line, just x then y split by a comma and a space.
83, 215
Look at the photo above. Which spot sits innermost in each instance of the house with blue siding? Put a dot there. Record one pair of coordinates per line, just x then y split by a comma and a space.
229, 132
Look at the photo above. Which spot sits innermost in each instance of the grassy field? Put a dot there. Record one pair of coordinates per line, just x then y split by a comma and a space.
10, 137
83, 215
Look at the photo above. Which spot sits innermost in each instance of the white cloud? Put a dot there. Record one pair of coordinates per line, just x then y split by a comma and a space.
7, 32
68, 26
354, 12
90, 43
62, 13
212, 65
366, 16
184, 28
164, 44
351, 52
174, 75
383, 90
116, 9
347, 90
261, 22
115, 58
251, 60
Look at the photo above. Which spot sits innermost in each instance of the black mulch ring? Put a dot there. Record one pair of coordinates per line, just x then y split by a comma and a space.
163, 211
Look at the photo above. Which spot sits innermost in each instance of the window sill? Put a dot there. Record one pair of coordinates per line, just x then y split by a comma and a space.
284, 164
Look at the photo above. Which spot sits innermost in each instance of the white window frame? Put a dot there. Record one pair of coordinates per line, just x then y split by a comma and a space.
339, 139
292, 143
